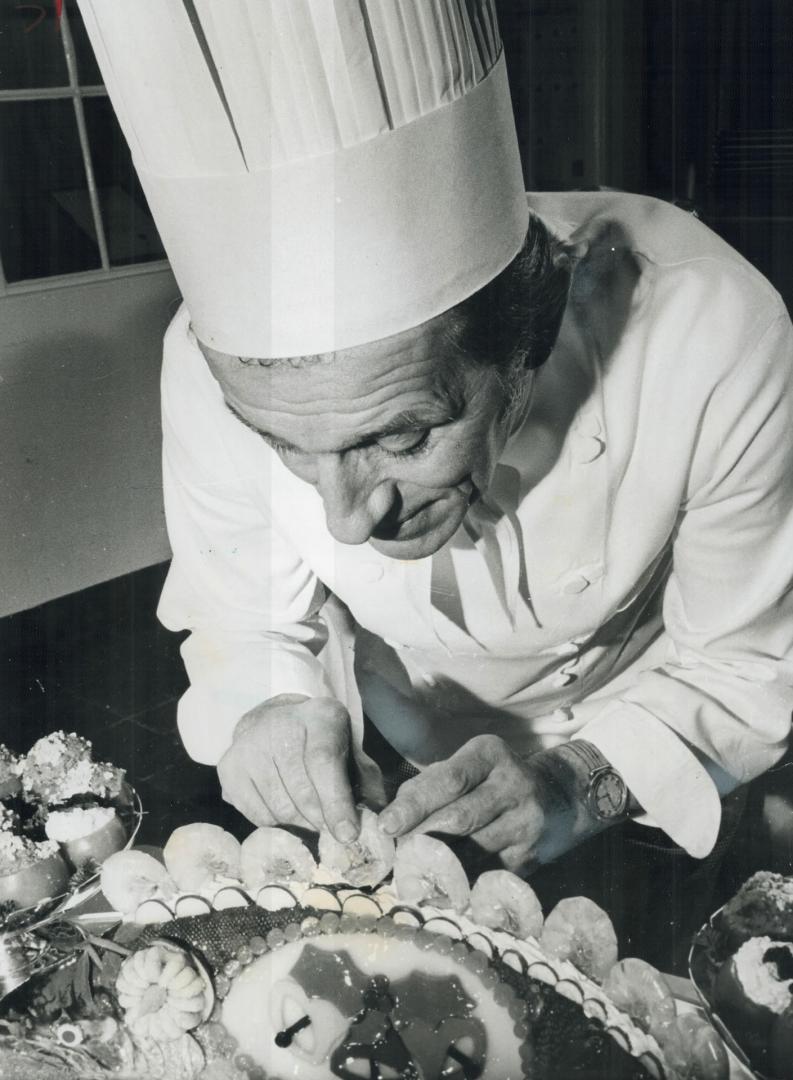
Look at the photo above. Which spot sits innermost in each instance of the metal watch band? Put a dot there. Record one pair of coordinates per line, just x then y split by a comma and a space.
599, 766
589, 754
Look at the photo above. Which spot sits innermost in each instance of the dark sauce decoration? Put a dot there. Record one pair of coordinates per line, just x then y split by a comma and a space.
284, 1038
567, 1044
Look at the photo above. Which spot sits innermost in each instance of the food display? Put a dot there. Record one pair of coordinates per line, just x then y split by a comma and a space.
86, 832
579, 931
340, 1003
762, 906
642, 992
10, 784
742, 964
131, 878
693, 1049
61, 814
272, 959
275, 857
380, 961
60, 767
426, 871
365, 861
198, 855
30, 870
164, 992
502, 901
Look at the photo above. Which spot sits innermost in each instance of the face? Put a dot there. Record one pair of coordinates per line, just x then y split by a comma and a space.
398, 437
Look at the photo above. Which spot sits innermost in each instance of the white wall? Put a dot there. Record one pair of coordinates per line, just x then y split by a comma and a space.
80, 491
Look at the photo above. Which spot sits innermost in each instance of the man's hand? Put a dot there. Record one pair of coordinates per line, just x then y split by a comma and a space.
287, 765
527, 811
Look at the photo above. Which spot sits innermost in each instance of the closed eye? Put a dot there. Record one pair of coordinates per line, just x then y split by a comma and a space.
398, 444
405, 444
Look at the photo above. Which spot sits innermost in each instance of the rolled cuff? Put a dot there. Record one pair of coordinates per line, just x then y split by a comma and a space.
671, 784
224, 691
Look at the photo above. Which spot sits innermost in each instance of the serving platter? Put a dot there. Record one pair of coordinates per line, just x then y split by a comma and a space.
577, 1030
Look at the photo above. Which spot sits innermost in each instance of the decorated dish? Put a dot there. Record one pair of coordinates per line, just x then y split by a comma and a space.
406, 941
62, 813
741, 963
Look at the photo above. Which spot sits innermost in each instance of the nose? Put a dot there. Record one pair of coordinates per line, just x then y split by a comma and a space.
355, 502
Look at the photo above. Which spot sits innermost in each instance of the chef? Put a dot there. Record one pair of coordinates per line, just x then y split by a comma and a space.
480, 503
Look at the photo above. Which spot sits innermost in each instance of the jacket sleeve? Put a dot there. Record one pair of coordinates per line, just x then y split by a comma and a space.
717, 711
250, 603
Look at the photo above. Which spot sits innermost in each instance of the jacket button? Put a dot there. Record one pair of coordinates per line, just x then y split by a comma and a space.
575, 585
588, 449
371, 572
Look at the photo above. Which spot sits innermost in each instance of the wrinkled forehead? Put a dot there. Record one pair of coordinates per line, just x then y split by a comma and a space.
415, 366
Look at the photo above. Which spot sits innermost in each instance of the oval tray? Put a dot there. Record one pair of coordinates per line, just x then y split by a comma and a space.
577, 1032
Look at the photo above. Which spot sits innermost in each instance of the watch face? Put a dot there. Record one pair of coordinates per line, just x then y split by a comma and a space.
608, 794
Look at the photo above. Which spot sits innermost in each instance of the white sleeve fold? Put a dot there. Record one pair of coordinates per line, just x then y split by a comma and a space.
716, 712
249, 601
669, 782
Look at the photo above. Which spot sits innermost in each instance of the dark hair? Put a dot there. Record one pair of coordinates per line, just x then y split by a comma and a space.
513, 321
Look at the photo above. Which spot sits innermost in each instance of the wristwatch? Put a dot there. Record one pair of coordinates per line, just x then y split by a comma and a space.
606, 793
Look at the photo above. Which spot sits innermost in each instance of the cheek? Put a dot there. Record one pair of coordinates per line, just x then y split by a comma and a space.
455, 460
475, 444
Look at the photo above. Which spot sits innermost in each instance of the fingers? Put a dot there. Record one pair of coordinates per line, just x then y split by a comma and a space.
250, 781
325, 756
440, 785
240, 792
469, 813
290, 766
265, 793
262, 767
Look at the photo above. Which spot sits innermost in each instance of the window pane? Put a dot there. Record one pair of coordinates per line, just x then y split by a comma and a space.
130, 231
87, 67
30, 46
45, 221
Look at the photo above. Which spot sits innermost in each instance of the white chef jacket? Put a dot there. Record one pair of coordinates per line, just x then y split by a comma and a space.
627, 578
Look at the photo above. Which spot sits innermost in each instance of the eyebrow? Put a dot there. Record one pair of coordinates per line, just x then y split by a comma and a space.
257, 431
407, 420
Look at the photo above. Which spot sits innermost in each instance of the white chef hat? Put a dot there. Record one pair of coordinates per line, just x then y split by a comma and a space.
323, 173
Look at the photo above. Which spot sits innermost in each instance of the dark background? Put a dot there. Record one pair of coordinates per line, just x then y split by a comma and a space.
684, 99
688, 100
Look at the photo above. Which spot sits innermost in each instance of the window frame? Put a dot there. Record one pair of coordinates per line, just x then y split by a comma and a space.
76, 93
